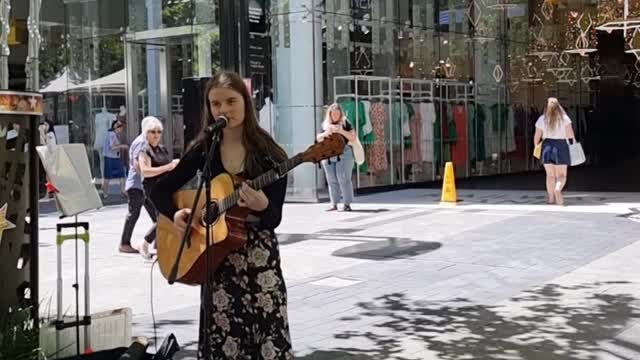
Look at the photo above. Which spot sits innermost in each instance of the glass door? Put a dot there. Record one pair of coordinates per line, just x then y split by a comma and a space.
158, 68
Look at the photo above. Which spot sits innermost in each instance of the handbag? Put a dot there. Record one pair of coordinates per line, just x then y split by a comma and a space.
537, 151
576, 153
358, 151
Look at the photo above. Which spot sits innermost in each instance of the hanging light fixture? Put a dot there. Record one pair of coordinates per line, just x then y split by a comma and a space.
625, 23
589, 74
634, 43
474, 13
636, 76
502, 5
539, 46
449, 68
568, 78
547, 8
564, 67
583, 25
532, 73
498, 73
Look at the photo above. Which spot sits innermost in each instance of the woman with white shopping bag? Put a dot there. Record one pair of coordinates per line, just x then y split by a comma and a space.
553, 132
338, 170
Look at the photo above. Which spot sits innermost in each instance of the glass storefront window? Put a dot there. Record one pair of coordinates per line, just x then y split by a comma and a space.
96, 92
424, 82
105, 60
460, 81
296, 33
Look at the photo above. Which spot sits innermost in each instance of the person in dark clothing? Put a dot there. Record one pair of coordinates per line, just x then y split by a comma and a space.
247, 293
135, 191
153, 161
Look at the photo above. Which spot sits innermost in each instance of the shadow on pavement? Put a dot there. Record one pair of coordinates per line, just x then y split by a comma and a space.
189, 351
388, 249
539, 324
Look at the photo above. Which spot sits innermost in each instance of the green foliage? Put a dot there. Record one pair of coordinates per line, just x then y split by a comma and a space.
176, 13
19, 338
110, 55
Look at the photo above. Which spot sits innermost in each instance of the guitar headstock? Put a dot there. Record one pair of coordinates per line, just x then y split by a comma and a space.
332, 145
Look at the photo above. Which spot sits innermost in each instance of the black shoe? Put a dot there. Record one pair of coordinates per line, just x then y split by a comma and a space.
127, 249
347, 208
333, 208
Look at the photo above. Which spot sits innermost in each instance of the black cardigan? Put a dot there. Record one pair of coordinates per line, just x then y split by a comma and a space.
162, 193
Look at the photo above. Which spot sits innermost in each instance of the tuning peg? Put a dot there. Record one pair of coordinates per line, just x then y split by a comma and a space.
338, 157
319, 166
329, 161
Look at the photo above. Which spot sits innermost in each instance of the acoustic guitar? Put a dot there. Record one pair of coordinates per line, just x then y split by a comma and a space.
229, 228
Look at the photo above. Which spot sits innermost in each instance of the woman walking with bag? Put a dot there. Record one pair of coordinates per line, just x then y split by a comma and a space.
553, 132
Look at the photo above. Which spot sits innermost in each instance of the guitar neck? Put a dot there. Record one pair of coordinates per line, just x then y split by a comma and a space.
263, 180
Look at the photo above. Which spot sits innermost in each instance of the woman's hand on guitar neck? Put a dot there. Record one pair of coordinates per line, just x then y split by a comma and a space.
180, 219
252, 199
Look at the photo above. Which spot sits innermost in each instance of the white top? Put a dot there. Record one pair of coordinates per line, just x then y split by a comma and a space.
103, 122
559, 132
267, 116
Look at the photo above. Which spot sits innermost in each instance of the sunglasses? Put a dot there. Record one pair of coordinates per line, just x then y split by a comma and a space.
155, 131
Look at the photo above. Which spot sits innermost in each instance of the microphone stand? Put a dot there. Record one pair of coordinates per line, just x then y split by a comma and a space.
204, 182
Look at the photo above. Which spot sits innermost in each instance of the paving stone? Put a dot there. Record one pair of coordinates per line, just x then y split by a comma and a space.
505, 268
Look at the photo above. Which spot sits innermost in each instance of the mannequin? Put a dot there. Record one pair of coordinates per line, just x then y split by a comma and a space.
122, 114
103, 121
267, 115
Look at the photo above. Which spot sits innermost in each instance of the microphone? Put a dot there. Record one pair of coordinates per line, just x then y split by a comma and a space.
218, 124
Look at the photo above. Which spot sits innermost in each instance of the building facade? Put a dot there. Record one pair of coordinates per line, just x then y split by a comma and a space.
424, 82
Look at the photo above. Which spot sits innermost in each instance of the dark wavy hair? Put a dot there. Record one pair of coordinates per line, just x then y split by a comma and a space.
258, 144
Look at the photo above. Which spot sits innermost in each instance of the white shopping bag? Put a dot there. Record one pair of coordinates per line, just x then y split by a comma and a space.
577, 153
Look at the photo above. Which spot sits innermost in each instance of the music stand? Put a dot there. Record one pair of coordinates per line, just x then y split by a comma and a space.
67, 167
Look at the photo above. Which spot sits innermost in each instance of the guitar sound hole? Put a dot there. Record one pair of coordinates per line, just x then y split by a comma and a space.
210, 216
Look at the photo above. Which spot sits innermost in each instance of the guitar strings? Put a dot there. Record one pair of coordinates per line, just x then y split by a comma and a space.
261, 181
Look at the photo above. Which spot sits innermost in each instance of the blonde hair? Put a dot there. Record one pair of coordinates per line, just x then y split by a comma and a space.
554, 114
150, 123
327, 117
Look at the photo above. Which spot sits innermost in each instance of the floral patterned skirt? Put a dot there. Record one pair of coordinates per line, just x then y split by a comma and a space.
248, 302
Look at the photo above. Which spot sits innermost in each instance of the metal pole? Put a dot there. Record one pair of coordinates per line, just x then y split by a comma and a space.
626, 14
33, 222
5, 12
390, 147
401, 131
32, 67
357, 129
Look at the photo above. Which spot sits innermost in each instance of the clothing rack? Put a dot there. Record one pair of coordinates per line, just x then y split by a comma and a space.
486, 94
456, 92
417, 90
363, 87
373, 88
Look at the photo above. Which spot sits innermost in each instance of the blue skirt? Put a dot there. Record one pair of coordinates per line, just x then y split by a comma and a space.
556, 152
113, 168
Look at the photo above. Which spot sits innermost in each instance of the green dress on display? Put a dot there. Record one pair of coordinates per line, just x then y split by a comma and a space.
349, 109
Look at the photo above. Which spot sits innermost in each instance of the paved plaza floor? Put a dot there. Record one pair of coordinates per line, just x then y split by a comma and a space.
499, 276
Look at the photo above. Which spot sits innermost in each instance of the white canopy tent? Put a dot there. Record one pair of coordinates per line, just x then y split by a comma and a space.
62, 83
67, 81
112, 84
